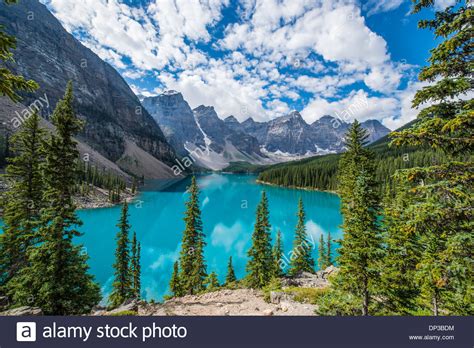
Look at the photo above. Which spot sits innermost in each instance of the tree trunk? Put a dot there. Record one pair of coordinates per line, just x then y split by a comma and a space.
435, 304
365, 306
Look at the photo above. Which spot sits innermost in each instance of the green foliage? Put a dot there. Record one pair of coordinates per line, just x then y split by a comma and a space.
175, 283
122, 285
274, 284
301, 259
24, 200
260, 266
323, 253
191, 262
135, 267
9, 82
278, 257
433, 205
89, 176
360, 249
321, 172
230, 278
306, 295
124, 314
212, 283
56, 277
243, 168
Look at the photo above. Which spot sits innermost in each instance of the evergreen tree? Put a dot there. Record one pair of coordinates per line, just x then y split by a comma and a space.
260, 264
360, 249
56, 277
122, 286
212, 283
329, 250
9, 82
323, 254
175, 283
24, 200
230, 278
136, 267
193, 266
438, 198
278, 256
301, 259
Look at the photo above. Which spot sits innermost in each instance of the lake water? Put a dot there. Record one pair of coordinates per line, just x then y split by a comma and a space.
228, 205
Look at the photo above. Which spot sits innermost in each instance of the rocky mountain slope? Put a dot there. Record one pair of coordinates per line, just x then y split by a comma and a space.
115, 119
200, 133
223, 141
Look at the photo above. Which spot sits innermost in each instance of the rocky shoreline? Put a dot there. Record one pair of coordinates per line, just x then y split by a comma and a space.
224, 302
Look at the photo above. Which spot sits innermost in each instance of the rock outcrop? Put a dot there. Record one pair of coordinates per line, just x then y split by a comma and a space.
51, 56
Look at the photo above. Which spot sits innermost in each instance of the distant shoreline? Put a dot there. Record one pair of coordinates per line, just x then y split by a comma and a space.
295, 187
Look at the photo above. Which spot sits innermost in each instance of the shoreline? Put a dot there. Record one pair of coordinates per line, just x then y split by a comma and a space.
295, 187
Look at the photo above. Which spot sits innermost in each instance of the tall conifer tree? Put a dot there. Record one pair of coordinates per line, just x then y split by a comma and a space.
323, 253
361, 247
301, 258
56, 278
278, 256
193, 266
260, 266
135, 267
329, 250
122, 285
438, 199
24, 200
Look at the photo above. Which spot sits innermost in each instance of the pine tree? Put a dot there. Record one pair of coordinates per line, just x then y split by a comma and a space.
135, 267
175, 283
323, 254
56, 277
212, 283
361, 247
122, 286
260, 264
329, 260
9, 82
438, 198
24, 200
192, 262
278, 257
301, 259
230, 278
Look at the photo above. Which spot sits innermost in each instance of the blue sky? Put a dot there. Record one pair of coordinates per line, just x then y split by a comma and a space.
262, 58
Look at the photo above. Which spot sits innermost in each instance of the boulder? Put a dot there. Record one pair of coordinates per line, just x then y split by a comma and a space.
268, 312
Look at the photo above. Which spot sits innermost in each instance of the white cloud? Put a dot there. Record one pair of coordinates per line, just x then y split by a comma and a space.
378, 6
326, 45
383, 78
358, 105
442, 4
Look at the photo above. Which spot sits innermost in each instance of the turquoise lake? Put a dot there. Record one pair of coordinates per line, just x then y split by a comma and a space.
228, 205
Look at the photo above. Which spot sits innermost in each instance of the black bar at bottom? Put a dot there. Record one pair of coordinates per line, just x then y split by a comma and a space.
325, 332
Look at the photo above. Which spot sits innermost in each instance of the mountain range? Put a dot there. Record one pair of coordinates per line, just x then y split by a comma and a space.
117, 127
147, 137
227, 140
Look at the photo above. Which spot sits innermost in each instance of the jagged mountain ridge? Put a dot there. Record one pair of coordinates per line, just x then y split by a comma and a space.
224, 141
200, 133
117, 126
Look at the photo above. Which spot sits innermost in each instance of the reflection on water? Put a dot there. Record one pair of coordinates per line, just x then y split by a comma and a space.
228, 205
